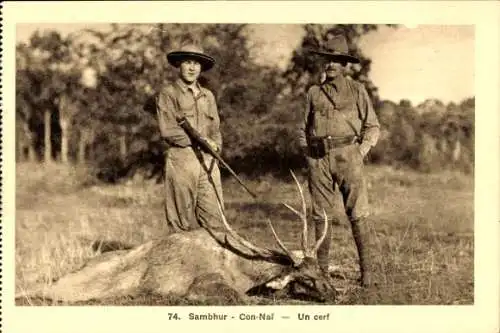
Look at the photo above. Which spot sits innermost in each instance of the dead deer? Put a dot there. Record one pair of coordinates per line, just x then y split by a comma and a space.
199, 263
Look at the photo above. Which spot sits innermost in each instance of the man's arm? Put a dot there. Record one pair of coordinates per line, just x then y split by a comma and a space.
167, 120
215, 132
304, 122
371, 127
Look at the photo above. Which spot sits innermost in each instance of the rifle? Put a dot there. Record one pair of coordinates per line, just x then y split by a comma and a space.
198, 138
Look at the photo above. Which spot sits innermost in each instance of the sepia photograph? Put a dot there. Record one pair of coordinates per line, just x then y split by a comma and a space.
119, 202
205, 165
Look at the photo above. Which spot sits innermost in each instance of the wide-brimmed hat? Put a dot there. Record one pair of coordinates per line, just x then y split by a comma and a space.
191, 51
336, 48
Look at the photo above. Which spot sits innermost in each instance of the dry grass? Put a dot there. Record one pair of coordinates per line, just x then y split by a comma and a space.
424, 226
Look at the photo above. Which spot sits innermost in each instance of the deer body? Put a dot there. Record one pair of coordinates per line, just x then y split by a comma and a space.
170, 266
199, 262
170, 272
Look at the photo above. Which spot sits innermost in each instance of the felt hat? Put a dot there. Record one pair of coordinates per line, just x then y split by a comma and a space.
191, 51
337, 49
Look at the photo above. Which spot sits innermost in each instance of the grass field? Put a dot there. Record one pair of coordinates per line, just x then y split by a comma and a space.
424, 225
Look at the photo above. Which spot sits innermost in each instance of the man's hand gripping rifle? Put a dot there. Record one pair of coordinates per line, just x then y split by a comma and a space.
205, 145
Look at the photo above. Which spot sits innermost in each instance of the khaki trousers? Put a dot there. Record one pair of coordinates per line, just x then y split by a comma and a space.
190, 191
339, 173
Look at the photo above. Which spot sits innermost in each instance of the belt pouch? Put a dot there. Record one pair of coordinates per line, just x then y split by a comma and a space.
317, 148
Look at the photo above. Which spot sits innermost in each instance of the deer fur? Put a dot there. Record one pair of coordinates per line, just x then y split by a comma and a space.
195, 263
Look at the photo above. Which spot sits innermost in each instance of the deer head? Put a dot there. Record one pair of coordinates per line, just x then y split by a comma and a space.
301, 275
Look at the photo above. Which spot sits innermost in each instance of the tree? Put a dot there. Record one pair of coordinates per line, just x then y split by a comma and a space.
83, 97
243, 89
304, 68
25, 113
46, 51
457, 127
68, 108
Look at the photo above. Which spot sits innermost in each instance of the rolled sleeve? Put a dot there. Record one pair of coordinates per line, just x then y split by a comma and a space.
304, 121
215, 132
371, 127
169, 128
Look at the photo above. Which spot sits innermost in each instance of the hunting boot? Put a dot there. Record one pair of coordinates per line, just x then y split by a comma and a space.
324, 250
363, 237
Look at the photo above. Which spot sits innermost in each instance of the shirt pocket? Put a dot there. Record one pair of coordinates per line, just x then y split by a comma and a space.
187, 107
322, 106
320, 109
206, 114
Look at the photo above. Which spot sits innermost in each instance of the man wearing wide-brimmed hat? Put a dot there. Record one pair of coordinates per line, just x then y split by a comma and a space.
192, 177
338, 128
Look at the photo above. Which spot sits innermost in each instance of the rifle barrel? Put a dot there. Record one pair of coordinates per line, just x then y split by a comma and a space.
184, 123
236, 176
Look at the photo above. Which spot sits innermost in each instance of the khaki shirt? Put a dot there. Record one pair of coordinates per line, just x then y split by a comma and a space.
177, 99
321, 118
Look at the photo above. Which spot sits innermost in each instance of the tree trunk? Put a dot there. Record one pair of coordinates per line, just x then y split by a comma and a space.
82, 145
443, 145
28, 143
88, 150
47, 137
123, 143
457, 150
31, 152
25, 149
67, 110
64, 140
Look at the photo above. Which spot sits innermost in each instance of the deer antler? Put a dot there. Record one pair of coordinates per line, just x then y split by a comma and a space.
323, 235
280, 243
310, 252
264, 252
303, 216
270, 254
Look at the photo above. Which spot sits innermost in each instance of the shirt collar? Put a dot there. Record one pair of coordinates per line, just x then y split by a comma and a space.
185, 88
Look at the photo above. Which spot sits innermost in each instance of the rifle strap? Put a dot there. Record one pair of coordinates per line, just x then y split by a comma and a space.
339, 112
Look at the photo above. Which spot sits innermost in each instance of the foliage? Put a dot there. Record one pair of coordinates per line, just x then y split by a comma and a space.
304, 64
426, 137
108, 78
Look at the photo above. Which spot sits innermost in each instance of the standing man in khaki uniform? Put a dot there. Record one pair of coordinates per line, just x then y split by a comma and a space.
338, 128
192, 176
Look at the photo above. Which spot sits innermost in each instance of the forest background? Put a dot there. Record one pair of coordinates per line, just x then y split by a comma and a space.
81, 96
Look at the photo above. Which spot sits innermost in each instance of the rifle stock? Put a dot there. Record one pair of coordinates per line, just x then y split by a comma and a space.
198, 138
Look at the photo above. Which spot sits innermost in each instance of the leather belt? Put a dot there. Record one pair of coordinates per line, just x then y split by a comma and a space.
332, 142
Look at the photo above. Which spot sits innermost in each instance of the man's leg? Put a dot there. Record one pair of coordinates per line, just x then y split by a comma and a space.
363, 237
323, 197
209, 192
355, 196
181, 180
